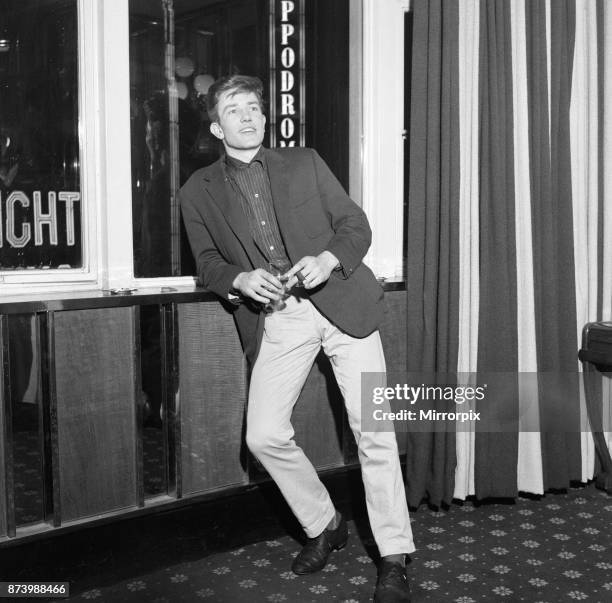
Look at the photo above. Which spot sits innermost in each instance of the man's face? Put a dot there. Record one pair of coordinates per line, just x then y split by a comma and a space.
241, 124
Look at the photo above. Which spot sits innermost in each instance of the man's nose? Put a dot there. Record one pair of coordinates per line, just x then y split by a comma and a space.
245, 115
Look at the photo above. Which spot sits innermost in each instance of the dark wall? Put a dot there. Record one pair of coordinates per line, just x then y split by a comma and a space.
327, 83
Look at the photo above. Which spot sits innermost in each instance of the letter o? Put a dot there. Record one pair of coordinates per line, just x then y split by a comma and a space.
287, 57
287, 128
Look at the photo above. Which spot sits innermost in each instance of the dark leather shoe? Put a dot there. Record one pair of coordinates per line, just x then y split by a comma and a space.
392, 585
313, 557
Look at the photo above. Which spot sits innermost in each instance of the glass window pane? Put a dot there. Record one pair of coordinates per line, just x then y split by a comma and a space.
40, 209
177, 49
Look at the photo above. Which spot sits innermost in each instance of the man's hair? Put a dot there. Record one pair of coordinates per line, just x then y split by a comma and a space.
233, 84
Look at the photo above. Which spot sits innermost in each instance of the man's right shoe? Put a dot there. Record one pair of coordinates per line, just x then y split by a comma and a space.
392, 585
313, 557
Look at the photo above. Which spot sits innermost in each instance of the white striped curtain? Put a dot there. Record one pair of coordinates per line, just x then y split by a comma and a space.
533, 229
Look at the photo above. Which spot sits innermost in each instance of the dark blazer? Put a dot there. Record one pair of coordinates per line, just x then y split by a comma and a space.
314, 214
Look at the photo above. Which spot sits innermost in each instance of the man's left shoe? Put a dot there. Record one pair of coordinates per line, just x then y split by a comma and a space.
313, 557
392, 585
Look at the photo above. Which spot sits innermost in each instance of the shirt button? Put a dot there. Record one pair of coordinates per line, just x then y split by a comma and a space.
256, 195
271, 247
263, 222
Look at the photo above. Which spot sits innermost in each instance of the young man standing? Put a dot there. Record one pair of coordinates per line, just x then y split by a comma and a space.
256, 207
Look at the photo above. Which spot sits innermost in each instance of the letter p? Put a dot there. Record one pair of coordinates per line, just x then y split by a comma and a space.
287, 6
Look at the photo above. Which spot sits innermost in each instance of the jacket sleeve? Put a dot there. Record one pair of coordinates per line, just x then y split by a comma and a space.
215, 273
353, 235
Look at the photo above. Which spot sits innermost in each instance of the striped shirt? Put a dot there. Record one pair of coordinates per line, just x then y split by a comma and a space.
251, 183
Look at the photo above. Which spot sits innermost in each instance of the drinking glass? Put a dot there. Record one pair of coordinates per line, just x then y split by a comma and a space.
278, 268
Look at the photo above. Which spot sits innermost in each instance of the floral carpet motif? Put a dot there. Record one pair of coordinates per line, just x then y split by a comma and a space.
551, 549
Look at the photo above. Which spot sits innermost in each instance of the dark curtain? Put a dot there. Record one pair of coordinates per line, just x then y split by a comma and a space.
552, 220
433, 234
496, 453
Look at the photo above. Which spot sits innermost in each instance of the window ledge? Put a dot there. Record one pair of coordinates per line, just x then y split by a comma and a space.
393, 284
97, 298
92, 299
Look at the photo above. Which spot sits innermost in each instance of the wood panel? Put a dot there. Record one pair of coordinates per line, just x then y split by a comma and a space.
95, 392
93, 382
212, 386
395, 343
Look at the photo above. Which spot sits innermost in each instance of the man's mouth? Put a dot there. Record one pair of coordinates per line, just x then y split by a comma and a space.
247, 130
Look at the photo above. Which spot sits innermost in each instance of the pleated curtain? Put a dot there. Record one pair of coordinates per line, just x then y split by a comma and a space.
509, 227
433, 231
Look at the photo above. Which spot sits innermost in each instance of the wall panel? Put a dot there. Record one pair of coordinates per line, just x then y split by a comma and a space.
212, 398
319, 416
95, 393
395, 341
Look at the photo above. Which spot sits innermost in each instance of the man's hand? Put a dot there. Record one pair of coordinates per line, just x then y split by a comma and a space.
312, 271
258, 285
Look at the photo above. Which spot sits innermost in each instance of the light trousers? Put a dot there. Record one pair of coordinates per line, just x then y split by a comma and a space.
291, 341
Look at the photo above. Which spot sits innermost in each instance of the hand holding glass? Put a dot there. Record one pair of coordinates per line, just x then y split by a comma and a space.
279, 268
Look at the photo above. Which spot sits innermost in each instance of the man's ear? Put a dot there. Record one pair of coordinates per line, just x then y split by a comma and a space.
216, 130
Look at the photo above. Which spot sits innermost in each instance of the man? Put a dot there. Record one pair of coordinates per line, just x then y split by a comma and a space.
254, 207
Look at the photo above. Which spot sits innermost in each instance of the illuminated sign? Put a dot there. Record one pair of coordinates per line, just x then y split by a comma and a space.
36, 234
287, 74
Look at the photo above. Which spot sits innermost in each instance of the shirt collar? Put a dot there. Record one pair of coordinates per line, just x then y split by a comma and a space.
233, 163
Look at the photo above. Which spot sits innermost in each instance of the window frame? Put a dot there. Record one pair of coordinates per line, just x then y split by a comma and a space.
383, 134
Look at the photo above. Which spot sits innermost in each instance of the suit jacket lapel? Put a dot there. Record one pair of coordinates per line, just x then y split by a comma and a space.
221, 192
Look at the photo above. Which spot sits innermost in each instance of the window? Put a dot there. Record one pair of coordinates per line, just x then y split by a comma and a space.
40, 176
177, 49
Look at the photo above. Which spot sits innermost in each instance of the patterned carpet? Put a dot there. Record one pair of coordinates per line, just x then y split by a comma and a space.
555, 548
